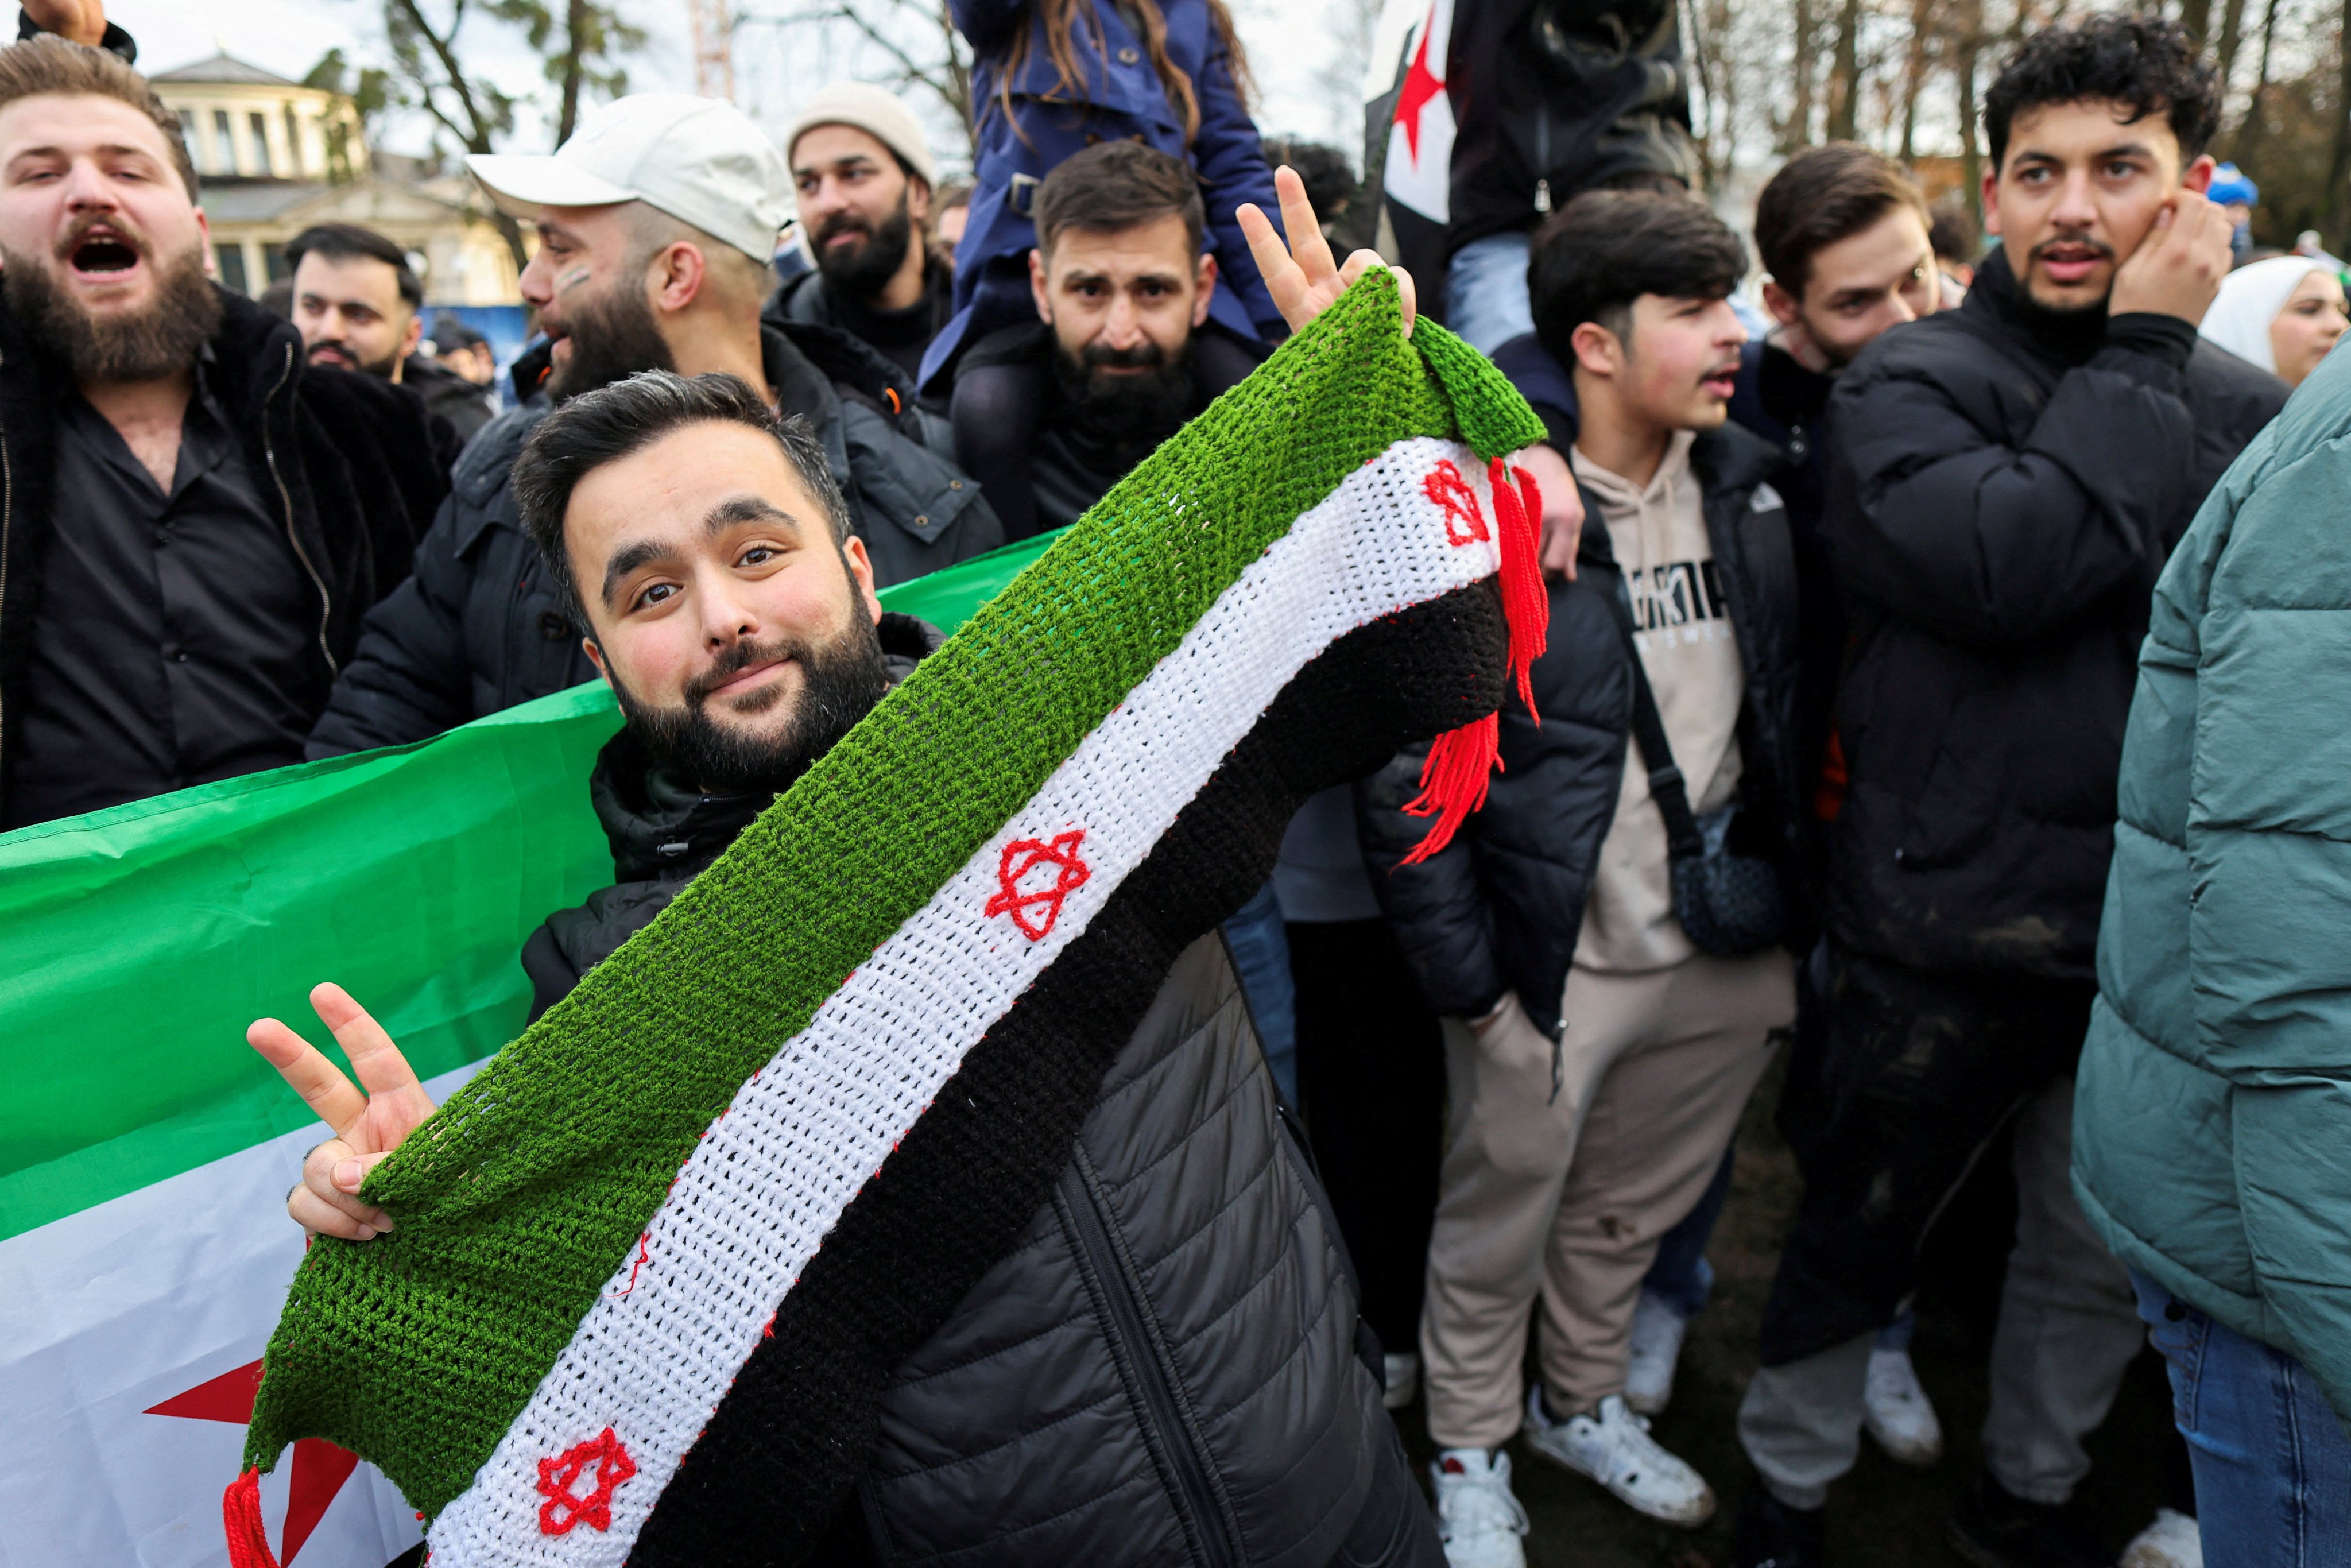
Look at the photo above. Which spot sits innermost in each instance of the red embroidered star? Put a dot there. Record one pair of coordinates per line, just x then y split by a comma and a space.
1420, 86
563, 1508
1464, 523
320, 1468
1024, 856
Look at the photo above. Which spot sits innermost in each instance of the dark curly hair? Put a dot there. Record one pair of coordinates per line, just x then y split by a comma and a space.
2143, 63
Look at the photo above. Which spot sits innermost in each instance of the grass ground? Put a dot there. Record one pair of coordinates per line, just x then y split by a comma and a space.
1882, 1515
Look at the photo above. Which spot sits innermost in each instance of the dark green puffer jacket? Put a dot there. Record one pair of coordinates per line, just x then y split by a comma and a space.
2212, 1128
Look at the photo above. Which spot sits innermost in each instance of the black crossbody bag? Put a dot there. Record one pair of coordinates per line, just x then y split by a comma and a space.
1728, 904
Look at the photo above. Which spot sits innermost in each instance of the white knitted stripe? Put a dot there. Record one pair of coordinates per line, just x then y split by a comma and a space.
683, 1313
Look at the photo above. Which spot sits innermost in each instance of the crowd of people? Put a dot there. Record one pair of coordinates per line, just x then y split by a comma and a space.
1938, 679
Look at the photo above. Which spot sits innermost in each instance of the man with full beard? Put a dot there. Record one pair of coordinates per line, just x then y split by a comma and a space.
866, 178
1049, 415
193, 524
656, 224
701, 542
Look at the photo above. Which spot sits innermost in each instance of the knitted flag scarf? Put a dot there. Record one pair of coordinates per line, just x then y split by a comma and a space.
655, 1263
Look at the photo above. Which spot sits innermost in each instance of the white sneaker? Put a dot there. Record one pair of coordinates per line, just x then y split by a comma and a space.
2171, 1542
1404, 1380
1476, 1517
1614, 1449
1898, 1413
1657, 1332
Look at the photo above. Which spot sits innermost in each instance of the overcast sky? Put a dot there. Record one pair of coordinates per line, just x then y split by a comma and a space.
1287, 43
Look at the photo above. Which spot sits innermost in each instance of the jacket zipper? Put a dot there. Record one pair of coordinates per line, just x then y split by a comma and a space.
269, 451
1143, 1359
1542, 157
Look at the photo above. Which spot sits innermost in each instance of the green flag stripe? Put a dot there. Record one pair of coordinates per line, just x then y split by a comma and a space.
133, 952
520, 1196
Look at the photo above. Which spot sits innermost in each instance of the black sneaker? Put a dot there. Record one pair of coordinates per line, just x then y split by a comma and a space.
1993, 1530
1770, 1534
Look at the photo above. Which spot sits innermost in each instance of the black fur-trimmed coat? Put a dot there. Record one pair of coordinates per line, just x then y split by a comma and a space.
345, 460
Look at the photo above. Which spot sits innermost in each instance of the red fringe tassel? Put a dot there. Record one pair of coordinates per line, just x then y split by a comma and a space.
1525, 602
248, 1541
1460, 767
1454, 781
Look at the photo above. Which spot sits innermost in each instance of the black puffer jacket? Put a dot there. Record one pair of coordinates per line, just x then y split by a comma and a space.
478, 628
1498, 909
346, 463
1569, 94
1166, 1369
2003, 488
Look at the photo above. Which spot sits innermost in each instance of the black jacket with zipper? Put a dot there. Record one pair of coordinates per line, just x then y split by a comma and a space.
345, 460
2003, 488
1559, 97
1500, 908
1167, 1368
479, 627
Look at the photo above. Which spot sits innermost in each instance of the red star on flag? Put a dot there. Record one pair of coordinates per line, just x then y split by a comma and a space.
1420, 86
320, 1468
1023, 901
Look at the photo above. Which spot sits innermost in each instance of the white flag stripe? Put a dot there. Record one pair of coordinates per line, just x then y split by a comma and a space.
662, 1342
125, 1305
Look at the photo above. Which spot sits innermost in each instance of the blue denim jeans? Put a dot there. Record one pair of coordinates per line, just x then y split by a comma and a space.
1261, 948
1486, 292
2273, 1466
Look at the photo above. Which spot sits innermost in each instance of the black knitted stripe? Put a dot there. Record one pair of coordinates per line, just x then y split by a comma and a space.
787, 1444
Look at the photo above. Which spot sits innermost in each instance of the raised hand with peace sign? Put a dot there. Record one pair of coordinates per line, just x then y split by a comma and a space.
1303, 277
369, 1121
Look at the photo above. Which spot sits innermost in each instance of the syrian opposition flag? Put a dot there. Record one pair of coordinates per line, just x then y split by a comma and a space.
145, 1151
1415, 130
655, 1262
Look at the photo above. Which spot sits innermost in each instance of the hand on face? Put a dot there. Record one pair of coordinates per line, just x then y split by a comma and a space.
2178, 267
2084, 191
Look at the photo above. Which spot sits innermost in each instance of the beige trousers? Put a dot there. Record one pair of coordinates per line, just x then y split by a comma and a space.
1563, 1198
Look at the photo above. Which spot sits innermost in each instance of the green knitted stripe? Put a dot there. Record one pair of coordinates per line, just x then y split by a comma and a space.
517, 1202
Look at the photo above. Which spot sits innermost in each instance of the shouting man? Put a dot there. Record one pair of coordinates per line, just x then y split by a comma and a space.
193, 524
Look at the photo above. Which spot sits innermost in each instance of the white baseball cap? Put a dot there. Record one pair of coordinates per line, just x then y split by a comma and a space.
699, 160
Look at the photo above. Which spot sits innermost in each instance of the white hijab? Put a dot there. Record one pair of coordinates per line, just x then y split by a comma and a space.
2251, 298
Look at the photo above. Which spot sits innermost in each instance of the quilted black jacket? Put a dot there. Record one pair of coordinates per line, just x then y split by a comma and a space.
1498, 908
1167, 1368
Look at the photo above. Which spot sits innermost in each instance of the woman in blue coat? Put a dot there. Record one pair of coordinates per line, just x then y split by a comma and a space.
1056, 76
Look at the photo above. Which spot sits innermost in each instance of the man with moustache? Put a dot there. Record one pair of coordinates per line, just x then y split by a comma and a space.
358, 302
1049, 415
866, 178
193, 523
657, 222
2005, 482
